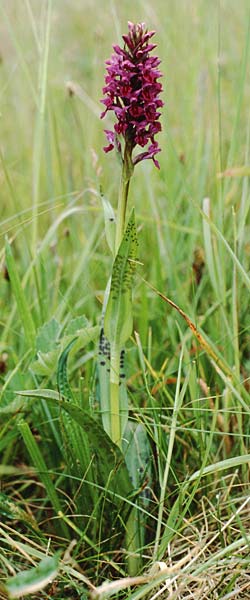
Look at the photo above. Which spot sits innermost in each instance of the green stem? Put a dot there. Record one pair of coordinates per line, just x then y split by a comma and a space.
115, 396
121, 211
127, 172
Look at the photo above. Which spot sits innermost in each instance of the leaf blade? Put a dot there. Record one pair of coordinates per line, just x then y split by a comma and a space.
22, 304
34, 579
118, 321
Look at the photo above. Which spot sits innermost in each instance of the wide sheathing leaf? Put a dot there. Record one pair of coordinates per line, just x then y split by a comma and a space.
138, 455
104, 385
118, 321
138, 458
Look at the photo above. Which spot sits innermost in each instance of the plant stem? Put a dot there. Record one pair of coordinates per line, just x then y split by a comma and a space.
127, 172
121, 212
114, 396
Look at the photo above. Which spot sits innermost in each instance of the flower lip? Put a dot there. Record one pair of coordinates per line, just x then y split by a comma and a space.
132, 94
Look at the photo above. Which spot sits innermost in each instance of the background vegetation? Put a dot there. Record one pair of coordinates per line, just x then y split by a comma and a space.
191, 393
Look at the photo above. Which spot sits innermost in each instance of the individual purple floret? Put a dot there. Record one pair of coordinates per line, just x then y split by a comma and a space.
132, 93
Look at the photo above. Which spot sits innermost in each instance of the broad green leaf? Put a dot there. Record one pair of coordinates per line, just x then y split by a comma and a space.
118, 321
35, 579
104, 386
84, 337
75, 325
47, 337
46, 362
137, 454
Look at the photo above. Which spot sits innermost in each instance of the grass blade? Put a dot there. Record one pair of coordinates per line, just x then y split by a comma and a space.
179, 395
40, 465
22, 304
39, 130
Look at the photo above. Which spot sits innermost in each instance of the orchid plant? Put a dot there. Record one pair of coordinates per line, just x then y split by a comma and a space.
131, 94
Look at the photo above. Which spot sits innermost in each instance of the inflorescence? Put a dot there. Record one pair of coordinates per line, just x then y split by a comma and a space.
132, 93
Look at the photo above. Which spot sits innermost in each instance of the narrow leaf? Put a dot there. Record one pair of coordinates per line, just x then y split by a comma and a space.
47, 336
35, 579
44, 394
62, 379
216, 359
22, 304
40, 465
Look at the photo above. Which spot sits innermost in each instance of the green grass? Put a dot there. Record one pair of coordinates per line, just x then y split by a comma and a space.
64, 484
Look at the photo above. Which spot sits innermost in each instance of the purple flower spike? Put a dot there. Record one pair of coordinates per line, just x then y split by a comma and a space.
132, 93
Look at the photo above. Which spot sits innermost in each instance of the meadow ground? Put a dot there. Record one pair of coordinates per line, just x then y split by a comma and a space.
187, 365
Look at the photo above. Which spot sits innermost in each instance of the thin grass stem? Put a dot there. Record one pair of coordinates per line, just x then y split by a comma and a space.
177, 404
